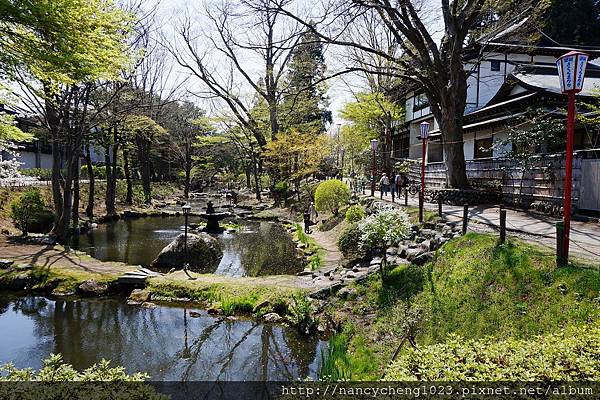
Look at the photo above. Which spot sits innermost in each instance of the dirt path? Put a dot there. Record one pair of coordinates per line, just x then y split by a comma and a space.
328, 241
56, 256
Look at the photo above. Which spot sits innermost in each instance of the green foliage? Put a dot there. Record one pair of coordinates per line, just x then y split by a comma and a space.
355, 213
59, 378
370, 114
477, 288
349, 240
281, 187
300, 313
44, 174
572, 354
331, 195
316, 259
27, 209
304, 106
335, 361
67, 41
572, 22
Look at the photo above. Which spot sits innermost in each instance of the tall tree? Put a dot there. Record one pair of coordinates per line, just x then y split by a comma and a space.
573, 22
184, 121
432, 51
86, 41
304, 105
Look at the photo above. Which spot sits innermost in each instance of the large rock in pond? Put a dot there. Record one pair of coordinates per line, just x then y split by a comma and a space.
204, 253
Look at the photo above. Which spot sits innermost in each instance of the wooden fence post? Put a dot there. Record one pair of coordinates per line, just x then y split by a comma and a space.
560, 259
502, 225
465, 219
439, 205
405, 196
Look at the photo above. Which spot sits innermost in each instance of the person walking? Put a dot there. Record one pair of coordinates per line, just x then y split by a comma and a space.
393, 184
312, 210
307, 222
384, 185
398, 182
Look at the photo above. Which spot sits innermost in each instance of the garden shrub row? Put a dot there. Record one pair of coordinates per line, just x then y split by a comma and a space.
572, 354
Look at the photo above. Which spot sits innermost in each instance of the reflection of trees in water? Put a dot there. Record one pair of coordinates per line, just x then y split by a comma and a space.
167, 343
268, 250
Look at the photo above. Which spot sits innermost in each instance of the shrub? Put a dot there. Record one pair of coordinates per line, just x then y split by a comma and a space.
281, 187
43, 174
331, 195
91, 382
349, 241
27, 209
355, 213
385, 228
569, 355
301, 314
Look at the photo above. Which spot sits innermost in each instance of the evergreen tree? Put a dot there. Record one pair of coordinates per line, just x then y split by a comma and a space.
305, 102
574, 22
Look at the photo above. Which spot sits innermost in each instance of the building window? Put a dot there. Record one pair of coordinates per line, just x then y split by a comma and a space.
483, 147
402, 145
495, 65
421, 102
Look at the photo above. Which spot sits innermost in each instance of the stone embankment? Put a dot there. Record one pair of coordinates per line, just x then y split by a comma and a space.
418, 248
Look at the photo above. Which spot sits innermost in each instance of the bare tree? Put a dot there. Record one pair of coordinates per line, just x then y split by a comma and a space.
242, 30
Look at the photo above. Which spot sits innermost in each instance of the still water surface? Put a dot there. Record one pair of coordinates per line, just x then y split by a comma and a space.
165, 342
259, 248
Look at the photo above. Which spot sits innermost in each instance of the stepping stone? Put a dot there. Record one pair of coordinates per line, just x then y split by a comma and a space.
149, 272
5, 263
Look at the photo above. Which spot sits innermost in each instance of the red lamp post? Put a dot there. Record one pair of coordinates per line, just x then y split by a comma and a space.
571, 71
424, 133
374, 143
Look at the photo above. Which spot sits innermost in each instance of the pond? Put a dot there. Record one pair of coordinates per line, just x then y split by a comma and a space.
165, 342
258, 248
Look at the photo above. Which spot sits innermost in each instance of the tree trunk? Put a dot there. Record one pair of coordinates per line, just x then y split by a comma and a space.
188, 170
89, 211
111, 173
75, 211
143, 159
248, 177
449, 111
129, 196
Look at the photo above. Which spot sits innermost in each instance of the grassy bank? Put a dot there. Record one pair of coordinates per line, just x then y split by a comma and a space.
230, 296
57, 279
474, 289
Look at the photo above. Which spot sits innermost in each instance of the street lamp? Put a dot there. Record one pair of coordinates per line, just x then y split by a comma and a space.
374, 143
343, 151
571, 73
424, 133
186, 208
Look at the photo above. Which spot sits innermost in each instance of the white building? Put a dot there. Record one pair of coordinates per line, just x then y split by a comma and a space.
501, 86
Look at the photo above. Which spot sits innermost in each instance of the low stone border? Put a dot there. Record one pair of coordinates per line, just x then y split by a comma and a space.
419, 248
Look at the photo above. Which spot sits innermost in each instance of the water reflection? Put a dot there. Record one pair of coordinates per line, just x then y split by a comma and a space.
259, 248
165, 342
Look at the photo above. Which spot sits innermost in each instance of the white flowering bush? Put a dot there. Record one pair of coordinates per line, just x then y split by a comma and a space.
9, 168
380, 230
383, 229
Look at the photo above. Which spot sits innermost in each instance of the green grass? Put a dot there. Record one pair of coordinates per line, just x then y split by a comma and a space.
413, 214
57, 278
476, 288
227, 297
473, 288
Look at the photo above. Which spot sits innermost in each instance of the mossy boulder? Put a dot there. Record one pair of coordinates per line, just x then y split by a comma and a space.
204, 253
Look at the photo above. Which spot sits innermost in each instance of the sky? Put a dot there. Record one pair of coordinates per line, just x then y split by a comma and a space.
170, 12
